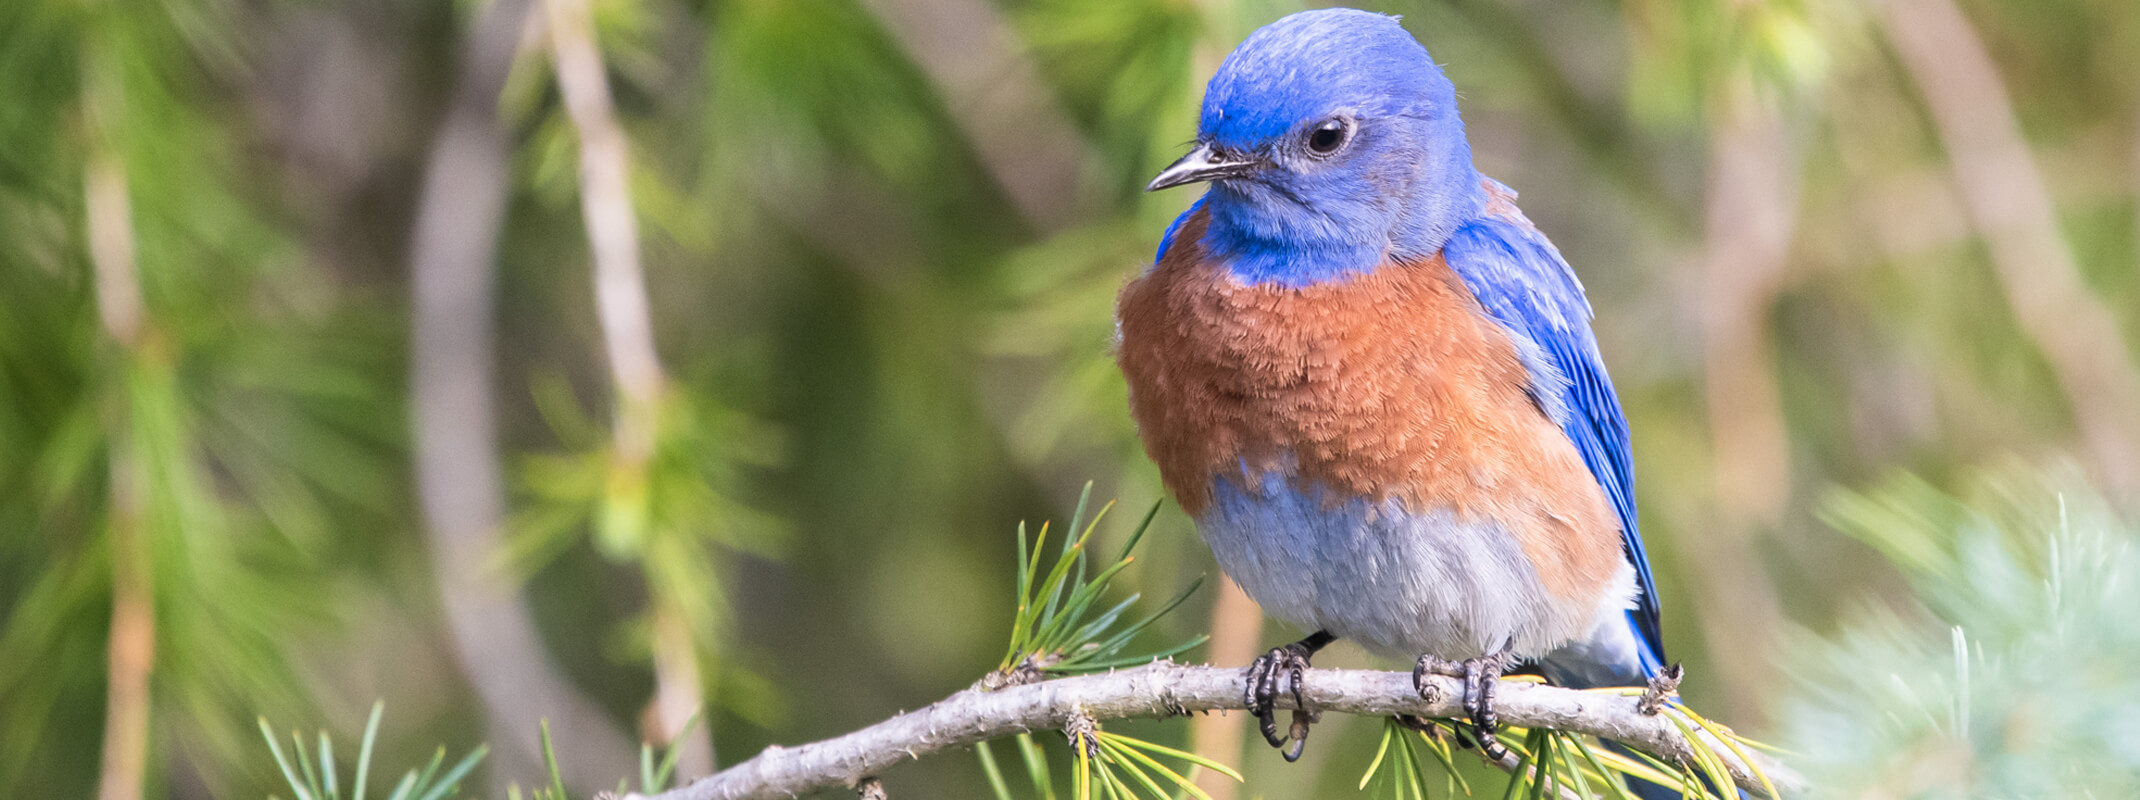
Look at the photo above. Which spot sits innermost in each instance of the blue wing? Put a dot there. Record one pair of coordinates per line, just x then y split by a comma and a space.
1166, 240
1524, 284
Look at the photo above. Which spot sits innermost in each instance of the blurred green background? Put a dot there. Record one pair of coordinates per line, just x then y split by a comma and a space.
310, 393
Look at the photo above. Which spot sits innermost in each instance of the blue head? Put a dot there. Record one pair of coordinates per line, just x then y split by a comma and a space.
1332, 142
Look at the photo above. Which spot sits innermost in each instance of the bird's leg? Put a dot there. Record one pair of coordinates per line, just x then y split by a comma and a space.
1480, 676
1282, 669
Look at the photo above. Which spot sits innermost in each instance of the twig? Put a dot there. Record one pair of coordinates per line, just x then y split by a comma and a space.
612, 225
1661, 690
997, 97
131, 649
2011, 206
628, 336
458, 478
1162, 689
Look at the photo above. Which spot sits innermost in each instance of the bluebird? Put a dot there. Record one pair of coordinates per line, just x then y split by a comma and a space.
1372, 382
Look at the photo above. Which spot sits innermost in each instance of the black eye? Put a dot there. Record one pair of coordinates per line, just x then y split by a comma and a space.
1329, 136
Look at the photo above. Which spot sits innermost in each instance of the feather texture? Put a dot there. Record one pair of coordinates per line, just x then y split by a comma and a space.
1522, 281
1391, 390
1373, 381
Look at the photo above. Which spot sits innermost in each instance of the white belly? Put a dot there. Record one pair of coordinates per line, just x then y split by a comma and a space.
1398, 583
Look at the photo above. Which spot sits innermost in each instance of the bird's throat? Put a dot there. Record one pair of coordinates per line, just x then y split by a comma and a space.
1290, 258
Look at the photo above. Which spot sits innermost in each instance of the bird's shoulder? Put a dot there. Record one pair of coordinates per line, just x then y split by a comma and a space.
1514, 269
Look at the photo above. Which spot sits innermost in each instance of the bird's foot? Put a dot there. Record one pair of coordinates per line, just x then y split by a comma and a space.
1281, 670
1480, 676
1430, 665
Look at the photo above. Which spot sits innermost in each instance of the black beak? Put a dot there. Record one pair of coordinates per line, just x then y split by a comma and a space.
1202, 164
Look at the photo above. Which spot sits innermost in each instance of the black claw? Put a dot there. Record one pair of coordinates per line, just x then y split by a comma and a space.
1481, 675
1283, 669
1493, 751
1264, 677
1295, 676
1269, 726
1299, 734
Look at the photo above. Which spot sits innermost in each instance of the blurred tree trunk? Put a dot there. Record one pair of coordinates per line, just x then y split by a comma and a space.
1236, 639
1601, 132
457, 472
1751, 216
2011, 208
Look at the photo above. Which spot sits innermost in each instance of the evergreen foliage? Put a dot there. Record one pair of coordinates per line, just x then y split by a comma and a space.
876, 359
2011, 675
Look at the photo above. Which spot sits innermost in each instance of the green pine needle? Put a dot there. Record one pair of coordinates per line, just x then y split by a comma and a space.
549, 762
1059, 627
996, 784
289, 775
655, 777
322, 782
1036, 766
364, 752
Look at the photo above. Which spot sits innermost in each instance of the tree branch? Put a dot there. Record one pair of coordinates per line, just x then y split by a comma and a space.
997, 97
459, 482
1166, 689
628, 334
2010, 203
130, 655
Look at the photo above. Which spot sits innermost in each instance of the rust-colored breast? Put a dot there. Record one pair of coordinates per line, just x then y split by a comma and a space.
1390, 385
